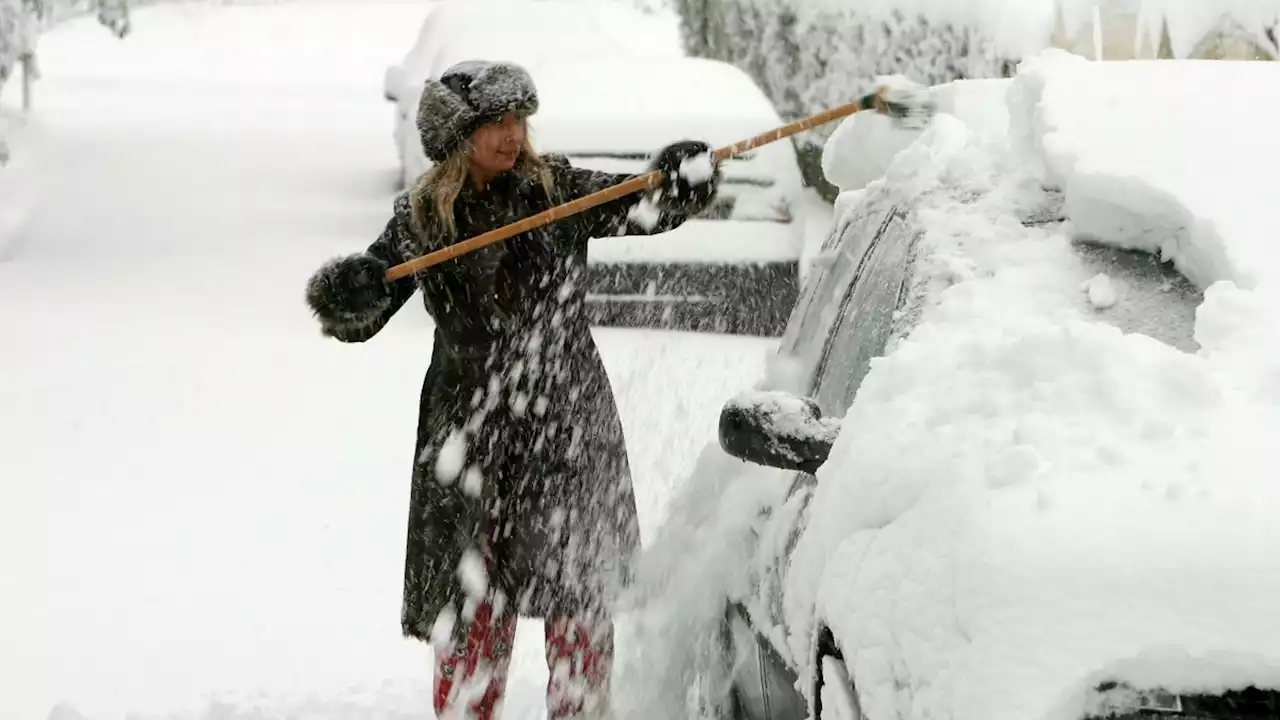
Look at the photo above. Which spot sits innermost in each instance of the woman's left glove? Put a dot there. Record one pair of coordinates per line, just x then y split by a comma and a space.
349, 287
690, 177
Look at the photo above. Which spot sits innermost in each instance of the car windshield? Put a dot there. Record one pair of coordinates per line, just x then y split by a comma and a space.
1137, 293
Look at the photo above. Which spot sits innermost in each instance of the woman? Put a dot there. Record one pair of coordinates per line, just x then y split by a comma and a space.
521, 501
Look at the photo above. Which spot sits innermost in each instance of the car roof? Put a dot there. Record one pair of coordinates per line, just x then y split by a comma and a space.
527, 32
628, 104
651, 87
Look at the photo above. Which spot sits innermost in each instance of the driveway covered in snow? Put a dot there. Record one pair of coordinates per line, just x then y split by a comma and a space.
203, 500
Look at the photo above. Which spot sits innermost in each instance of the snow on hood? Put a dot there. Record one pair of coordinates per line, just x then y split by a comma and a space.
1022, 498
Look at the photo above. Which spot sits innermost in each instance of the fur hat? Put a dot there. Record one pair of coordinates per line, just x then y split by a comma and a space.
467, 96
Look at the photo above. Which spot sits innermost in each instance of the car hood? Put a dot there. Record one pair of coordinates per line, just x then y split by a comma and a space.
993, 612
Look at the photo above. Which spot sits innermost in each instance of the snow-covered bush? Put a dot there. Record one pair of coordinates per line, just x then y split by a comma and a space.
13, 34
114, 14
809, 55
9, 18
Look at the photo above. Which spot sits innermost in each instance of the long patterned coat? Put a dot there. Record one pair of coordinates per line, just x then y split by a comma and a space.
519, 446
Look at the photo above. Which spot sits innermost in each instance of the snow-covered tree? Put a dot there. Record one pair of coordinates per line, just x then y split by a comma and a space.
21, 21
114, 14
808, 55
17, 42
9, 17
1167, 29
15, 39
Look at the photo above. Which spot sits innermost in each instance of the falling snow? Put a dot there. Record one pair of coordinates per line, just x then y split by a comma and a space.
697, 169
452, 457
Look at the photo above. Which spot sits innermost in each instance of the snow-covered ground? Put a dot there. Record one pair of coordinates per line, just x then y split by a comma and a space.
202, 503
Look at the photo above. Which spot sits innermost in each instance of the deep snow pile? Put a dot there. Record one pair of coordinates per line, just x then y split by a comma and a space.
1202, 194
863, 146
1024, 500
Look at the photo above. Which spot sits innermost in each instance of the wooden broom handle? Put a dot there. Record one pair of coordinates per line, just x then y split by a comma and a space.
648, 181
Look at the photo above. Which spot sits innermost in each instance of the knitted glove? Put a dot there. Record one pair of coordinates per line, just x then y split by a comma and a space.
690, 177
350, 288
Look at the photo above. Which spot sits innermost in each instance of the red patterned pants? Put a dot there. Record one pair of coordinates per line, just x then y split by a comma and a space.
470, 681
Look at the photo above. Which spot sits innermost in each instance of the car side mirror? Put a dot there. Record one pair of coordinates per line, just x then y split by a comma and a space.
777, 429
391, 83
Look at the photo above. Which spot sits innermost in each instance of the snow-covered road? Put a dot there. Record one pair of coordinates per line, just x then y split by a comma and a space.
201, 500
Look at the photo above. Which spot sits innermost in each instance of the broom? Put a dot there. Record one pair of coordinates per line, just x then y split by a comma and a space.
909, 104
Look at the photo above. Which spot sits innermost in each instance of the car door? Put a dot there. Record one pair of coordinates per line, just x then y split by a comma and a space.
867, 317
846, 318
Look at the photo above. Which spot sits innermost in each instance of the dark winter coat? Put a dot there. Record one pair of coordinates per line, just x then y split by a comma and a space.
518, 433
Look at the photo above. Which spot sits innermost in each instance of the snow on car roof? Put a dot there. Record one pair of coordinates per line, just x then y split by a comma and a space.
1196, 183
651, 89
625, 104
864, 145
530, 32
1025, 500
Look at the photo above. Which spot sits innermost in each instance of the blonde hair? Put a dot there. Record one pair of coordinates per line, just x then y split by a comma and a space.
441, 185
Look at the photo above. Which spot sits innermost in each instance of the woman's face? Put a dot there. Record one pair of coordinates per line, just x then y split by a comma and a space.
496, 145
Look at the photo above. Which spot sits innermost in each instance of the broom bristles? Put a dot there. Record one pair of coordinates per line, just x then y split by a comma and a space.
911, 103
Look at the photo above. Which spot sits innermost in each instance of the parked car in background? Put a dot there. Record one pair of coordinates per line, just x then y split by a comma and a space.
986, 475
528, 32
736, 267
613, 88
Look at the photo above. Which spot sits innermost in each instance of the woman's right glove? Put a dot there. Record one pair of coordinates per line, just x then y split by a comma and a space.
349, 288
690, 177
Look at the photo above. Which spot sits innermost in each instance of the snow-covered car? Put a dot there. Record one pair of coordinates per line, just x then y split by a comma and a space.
529, 32
1014, 458
736, 267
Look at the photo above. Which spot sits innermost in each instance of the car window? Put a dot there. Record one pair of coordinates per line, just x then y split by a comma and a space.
826, 286
865, 317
